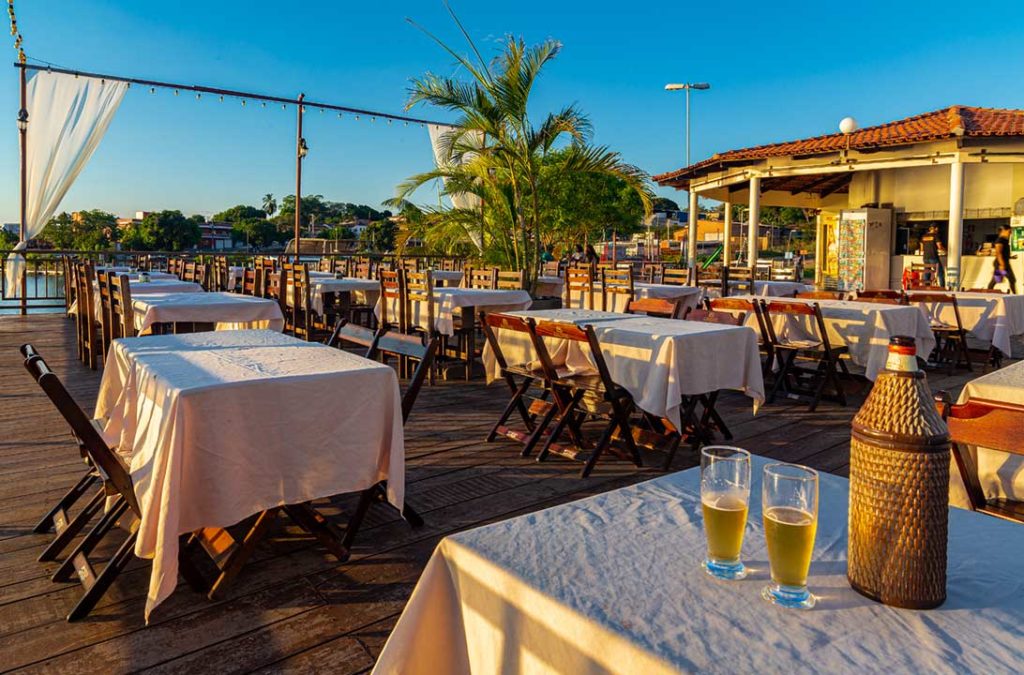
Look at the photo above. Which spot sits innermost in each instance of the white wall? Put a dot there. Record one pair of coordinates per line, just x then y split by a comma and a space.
926, 188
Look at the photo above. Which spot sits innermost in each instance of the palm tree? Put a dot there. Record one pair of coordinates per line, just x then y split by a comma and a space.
496, 154
269, 205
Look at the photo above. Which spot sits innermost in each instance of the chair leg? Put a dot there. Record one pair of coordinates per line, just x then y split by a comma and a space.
606, 438
540, 426
564, 419
311, 520
356, 520
515, 403
89, 542
47, 523
105, 578
411, 516
241, 554
71, 529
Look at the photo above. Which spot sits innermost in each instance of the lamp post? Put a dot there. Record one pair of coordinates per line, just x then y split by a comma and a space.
687, 87
22, 231
301, 150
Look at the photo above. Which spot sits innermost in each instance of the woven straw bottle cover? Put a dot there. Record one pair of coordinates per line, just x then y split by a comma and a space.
899, 488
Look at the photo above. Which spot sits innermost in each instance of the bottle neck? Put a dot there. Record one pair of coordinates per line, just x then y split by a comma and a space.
901, 359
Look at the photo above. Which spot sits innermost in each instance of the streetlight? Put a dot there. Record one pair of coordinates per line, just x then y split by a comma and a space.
687, 87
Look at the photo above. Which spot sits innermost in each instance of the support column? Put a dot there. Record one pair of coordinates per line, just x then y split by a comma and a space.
727, 241
955, 234
691, 237
819, 252
753, 221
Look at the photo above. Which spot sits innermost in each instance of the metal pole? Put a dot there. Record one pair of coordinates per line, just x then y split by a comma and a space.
298, 180
22, 133
687, 125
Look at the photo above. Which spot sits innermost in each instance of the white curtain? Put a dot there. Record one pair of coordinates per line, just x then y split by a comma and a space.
67, 118
443, 158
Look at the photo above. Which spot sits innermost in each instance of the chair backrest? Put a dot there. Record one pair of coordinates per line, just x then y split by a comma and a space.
490, 321
664, 308
410, 347
480, 277
886, 293
997, 291
346, 332
939, 299
121, 310
552, 268
419, 298
981, 423
616, 282
510, 280
744, 305
392, 299
363, 269
880, 301
573, 333
106, 317
102, 457
252, 281
410, 264
652, 272
675, 276
190, 271
820, 295
579, 280
711, 316
792, 308
325, 264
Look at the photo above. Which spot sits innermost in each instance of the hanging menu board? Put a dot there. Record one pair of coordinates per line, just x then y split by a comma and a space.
851, 250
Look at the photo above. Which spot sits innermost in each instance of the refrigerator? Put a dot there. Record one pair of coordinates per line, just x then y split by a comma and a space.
863, 248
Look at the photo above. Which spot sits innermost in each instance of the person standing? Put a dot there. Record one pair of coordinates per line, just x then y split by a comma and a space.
592, 256
1001, 264
932, 247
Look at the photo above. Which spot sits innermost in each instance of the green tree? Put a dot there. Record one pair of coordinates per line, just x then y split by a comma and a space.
162, 231
269, 205
497, 153
83, 231
7, 240
257, 232
663, 204
237, 213
338, 232
378, 237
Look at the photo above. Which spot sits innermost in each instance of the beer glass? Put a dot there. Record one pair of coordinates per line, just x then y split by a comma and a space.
724, 496
789, 504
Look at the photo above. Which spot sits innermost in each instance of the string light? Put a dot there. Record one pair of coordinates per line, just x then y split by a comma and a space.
152, 90
222, 98
263, 104
243, 102
198, 96
175, 92
18, 40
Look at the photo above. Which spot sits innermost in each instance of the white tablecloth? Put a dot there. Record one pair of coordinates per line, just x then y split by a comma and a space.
364, 291
1001, 475
690, 295
864, 327
657, 360
987, 316
219, 426
227, 310
613, 584
550, 286
766, 288
157, 285
448, 300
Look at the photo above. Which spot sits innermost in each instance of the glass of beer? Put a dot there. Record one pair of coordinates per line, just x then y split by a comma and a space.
789, 504
724, 496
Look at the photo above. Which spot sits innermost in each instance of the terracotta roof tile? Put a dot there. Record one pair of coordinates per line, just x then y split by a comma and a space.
949, 122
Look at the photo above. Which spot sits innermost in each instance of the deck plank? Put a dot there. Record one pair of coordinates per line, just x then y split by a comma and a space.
294, 608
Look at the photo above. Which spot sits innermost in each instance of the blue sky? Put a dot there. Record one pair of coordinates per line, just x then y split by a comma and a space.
778, 70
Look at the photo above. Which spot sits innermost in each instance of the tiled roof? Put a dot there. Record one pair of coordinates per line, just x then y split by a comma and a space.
958, 120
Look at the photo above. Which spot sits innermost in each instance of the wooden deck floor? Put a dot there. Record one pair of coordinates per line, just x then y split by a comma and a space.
293, 608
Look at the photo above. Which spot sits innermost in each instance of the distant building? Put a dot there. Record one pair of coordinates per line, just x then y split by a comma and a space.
215, 235
125, 222
13, 228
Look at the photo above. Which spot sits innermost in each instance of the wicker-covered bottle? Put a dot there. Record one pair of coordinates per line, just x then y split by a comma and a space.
899, 488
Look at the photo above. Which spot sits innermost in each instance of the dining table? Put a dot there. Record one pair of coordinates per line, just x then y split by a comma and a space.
218, 426
613, 584
689, 297
863, 327
227, 311
659, 361
1001, 475
462, 301
763, 287
994, 318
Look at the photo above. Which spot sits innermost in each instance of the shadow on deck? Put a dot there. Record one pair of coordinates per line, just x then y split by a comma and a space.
293, 607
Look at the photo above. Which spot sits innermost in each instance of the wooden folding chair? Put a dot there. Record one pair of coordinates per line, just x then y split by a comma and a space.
122, 313
341, 267
987, 424
325, 264
252, 282
663, 308
58, 519
672, 276
306, 323
616, 283
924, 275
579, 280
883, 293
106, 317
531, 385
90, 341
552, 268
741, 279
590, 397
392, 300
880, 301
817, 349
821, 295
480, 277
111, 469
651, 273
410, 349
70, 292
510, 280
711, 316
950, 338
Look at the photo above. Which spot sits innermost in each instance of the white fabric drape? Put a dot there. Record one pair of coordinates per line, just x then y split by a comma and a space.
443, 158
67, 118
